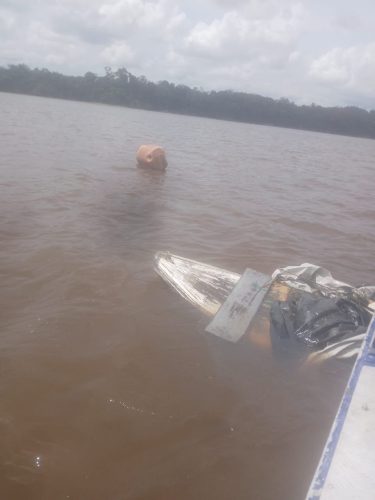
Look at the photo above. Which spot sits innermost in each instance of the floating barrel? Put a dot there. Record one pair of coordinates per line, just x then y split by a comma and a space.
151, 156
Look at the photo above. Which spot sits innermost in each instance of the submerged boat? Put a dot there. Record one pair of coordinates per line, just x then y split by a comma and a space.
345, 470
214, 291
241, 305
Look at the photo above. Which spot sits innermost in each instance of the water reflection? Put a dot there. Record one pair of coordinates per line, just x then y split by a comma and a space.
133, 213
155, 177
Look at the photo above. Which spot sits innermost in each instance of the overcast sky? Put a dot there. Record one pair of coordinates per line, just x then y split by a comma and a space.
320, 51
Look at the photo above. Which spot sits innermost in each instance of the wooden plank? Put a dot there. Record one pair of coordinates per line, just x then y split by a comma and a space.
234, 316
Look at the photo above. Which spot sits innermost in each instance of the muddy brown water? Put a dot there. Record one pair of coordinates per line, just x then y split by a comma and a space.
109, 387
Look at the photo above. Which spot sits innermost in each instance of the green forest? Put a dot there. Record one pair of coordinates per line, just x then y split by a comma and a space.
122, 88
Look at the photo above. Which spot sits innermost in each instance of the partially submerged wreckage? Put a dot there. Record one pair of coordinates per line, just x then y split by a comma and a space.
301, 307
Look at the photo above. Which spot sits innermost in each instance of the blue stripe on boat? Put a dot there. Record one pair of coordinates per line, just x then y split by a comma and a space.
366, 357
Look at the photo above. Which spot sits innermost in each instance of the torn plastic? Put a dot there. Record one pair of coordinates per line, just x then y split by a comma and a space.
316, 314
326, 316
310, 278
365, 295
318, 323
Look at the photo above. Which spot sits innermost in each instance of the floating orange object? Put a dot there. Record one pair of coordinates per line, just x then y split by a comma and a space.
151, 156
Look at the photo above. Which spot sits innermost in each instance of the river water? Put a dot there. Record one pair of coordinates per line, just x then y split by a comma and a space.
109, 387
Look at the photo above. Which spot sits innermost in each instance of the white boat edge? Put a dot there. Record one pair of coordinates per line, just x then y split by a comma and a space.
345, 470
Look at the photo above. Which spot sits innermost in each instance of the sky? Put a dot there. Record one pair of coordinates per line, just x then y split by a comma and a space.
320, 51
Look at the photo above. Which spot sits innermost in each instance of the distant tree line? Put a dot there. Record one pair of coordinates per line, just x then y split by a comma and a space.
122, 88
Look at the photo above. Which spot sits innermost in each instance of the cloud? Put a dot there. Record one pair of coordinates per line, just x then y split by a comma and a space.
248, 48
331, 68
118, 20
352, 22
7, 21
352, 68
132, 12
271, 47
81, 35
237, 35
117, 54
